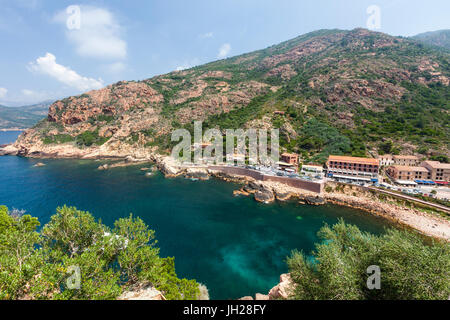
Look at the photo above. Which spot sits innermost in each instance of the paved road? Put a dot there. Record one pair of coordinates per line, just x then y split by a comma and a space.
431, 204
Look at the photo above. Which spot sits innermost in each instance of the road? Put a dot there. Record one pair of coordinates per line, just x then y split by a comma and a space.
403, 196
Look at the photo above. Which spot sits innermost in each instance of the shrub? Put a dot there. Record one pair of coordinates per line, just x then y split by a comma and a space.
410, 267
37, 265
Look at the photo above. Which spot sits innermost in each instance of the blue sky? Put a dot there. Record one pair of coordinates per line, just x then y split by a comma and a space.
41, 58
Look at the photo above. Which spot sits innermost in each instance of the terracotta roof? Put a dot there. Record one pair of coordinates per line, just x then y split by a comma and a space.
437, 165
289, 155
354, 160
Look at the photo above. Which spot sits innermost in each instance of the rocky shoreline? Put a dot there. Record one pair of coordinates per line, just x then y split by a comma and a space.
262, 191
349, 196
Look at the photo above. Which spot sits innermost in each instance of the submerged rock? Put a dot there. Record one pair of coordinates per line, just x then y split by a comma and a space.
39, 164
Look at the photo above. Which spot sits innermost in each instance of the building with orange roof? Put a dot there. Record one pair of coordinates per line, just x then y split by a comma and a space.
290, 158
353, 168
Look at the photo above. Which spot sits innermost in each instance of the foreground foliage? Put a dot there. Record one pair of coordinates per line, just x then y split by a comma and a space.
40, 265
410, 268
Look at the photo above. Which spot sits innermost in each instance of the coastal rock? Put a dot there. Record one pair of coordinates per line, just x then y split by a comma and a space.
103, 167
197, 173
146, 293
252, 187
284, 196
168, 167
265, 196
316, 201
247, 298
240, 193
261, 297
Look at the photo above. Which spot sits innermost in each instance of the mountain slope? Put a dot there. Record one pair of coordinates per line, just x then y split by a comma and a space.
22, 117
440, 38
345, 92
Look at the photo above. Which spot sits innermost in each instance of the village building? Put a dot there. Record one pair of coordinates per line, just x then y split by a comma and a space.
289, 162
401, 160
409, 175
344, 168
439, 172
313, 171
386, 160
290, 158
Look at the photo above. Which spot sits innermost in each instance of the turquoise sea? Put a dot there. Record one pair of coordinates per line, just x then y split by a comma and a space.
233, 245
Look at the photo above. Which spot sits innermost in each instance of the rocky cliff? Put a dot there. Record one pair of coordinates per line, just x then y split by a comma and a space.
339, 92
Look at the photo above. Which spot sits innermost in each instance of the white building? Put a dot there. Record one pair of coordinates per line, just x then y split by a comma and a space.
312, 171
386, 160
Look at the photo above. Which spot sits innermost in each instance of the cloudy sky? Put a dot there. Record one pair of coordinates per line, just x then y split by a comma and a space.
52, 49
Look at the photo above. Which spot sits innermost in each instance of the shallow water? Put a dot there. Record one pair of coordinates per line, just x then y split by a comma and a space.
233, 245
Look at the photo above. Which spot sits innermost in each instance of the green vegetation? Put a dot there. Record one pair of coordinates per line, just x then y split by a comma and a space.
58, 139
320, 139
89, 138
410, 267
101, 118
236, 118
38, 265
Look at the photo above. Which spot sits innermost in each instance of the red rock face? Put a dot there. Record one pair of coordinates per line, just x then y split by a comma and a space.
111, 100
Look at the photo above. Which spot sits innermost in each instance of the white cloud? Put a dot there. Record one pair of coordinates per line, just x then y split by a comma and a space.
206, 35
47, 65
99, 35
224, 51
3, 92
116, 67
188, 64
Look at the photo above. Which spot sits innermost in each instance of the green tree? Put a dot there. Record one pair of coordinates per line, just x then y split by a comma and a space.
410, 268
37, 265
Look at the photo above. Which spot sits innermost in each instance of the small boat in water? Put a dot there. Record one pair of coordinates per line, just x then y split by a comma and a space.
194, 179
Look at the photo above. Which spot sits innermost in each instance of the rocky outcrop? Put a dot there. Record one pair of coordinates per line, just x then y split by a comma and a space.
264, 196
284, 289
145, 293
316, 201
281, 291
